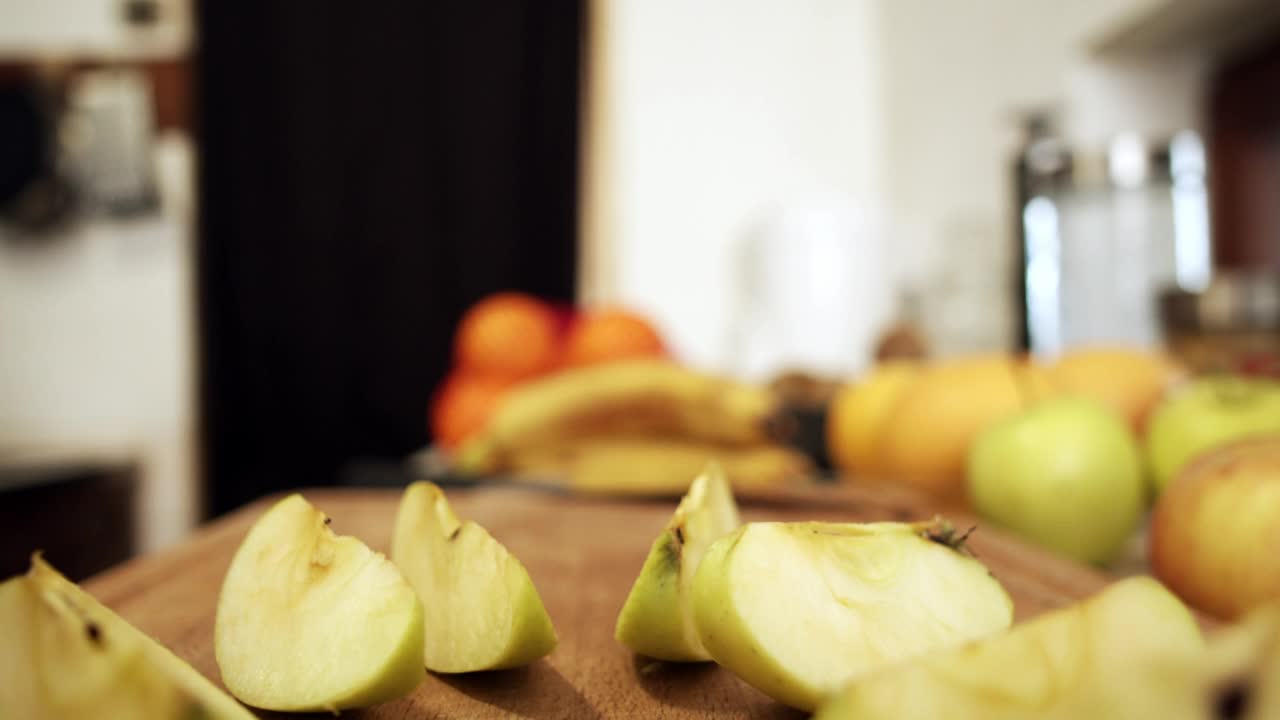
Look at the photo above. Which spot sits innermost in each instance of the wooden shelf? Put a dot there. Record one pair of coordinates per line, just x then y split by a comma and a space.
1216, 28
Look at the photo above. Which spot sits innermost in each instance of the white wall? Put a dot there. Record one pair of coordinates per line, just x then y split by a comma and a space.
50, 28
956, 75
96, 349
707, 118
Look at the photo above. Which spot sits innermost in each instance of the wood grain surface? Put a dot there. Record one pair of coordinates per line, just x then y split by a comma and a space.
583, 555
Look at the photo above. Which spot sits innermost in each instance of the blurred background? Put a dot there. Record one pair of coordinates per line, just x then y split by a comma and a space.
237, 239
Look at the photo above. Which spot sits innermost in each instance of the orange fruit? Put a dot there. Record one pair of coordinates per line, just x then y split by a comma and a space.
463, 404
1131, 382
508, 334
601, 336
858, 413
925, 438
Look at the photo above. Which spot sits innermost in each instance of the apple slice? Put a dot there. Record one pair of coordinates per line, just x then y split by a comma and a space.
483, 612
657, 619
1127, 652
308, 620
798, 609
64, 655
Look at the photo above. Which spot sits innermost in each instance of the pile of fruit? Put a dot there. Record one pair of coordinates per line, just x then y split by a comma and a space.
1071, 455
595, 399
874, 620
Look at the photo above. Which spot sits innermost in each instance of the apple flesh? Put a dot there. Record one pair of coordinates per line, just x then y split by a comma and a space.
657, 618
308, 620
482, 610
1214, 530
1205, 414
1124, 653
1065, 474
799, 609
65, 656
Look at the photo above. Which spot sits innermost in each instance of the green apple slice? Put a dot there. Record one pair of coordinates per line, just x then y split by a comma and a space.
798, 609
66, 656
657, 619
483, 612
308, 620
1127, 652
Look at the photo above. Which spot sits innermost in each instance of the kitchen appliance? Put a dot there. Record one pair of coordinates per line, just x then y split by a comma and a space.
1103, 233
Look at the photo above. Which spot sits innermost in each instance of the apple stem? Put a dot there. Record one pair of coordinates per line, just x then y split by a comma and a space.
941, 531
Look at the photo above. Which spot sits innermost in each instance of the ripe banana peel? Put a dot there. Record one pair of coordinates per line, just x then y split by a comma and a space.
636, 398
643, 466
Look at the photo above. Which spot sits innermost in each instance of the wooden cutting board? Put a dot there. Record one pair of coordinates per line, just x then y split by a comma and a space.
583, 554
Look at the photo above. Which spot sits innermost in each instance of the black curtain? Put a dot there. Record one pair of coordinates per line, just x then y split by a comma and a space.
368, 170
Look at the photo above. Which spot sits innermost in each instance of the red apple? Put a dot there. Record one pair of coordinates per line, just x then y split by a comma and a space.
1216, 529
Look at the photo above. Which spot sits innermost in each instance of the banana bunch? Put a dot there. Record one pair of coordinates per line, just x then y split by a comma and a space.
638, 426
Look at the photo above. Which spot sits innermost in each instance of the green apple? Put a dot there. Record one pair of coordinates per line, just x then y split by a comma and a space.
308, 620
1128, 652
1205, 414
65, 656
799, 609
483, 612
657, 619
1065, 474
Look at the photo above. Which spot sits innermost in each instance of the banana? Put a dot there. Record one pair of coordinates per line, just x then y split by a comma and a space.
639, 397
639, 466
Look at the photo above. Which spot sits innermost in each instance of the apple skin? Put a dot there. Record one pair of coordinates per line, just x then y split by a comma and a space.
1215, 529
657, 618
1206, 413
1065, 474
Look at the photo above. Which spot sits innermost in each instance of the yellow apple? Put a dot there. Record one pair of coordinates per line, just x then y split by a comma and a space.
310, 621
482, 610
1216, 527
798, 609
657, 618
856, 417
66, 656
